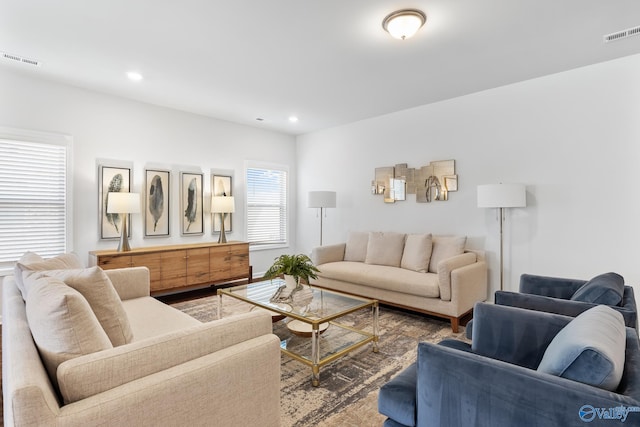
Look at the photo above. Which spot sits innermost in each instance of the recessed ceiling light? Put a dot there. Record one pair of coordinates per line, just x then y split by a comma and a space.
135, 76
293, 119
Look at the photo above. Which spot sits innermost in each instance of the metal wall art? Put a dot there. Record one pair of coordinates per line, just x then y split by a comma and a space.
429, 183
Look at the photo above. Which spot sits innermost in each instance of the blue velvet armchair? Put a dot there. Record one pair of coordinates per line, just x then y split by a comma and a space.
494, 381
554, 295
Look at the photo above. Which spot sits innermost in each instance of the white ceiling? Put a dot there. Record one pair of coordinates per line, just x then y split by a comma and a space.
327, 61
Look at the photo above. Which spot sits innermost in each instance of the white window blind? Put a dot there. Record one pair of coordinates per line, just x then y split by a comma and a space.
33, 213
266, 206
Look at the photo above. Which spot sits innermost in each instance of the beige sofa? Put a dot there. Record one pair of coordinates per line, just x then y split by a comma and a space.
174, 371
435, 275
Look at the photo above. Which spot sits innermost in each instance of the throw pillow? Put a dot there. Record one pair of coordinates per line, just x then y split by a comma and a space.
417, 252
590, 349
62, 323
31, 263
385, 248
445, 247
96, 287
356, 247
26, 259
604, 289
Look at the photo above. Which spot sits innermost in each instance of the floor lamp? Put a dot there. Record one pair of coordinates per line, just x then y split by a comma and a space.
123, 204
222, 205
502, 196
322, 200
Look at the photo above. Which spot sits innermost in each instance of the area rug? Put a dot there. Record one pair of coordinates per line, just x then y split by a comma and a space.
348, 391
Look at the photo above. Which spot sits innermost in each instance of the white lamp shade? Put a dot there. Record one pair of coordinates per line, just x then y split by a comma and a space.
322, 199
222, 204
502, 196
123, 203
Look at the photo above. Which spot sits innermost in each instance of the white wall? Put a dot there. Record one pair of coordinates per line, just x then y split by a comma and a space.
106, 127
573, 138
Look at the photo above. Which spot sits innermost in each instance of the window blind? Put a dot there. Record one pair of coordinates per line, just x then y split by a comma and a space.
266, 206
33, 213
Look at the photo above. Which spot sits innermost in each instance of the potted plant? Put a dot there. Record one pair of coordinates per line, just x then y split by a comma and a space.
295, 267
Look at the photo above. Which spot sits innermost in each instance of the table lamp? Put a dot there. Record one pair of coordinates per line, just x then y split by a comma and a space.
222, 205
123, 204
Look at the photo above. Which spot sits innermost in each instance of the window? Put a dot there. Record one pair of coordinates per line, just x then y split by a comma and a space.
266, 206
33, 194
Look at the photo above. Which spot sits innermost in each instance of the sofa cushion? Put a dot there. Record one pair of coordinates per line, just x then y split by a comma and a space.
385, 248
393, 279
62, 323
96, 287
445, 247
603, 289
417, 252
590, 349
356, 247
34, 262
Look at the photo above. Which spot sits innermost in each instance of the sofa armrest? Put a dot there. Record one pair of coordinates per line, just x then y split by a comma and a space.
514, 335
457, 388
555, 287
446, 266
325, 254
566, 307
130, 283
91, 374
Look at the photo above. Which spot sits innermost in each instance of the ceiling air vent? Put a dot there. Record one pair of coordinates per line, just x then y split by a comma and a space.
19, 59
619, 35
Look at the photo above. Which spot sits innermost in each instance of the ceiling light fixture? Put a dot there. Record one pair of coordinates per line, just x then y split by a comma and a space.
293, 119
136, 77
403, 24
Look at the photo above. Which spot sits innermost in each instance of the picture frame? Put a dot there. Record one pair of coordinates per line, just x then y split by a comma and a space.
157, 203
221, 185
112, 179
191, 209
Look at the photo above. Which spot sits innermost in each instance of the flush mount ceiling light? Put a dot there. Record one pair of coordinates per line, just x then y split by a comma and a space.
403, 24
134, 75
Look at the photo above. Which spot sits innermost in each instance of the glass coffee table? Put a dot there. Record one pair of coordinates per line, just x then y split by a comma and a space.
312, 333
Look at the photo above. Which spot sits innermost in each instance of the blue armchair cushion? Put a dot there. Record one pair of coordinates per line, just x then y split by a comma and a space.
590, 349
603, 289
397, 398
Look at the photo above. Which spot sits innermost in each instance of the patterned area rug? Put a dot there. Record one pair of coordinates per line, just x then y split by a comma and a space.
348, 391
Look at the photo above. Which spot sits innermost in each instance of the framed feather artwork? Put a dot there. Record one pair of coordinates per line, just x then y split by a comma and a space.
157, 186
112, 179
192, 217
221, 185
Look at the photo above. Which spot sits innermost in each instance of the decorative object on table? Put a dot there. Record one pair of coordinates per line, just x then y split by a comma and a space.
322, 200
191, 203
429, 183
222, 205
222, 185
157, 208
502, 196
123, 204
294, 268
112, 179
303, 329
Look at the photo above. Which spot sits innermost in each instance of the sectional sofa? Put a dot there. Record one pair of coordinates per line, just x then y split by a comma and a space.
85, 347
435, 275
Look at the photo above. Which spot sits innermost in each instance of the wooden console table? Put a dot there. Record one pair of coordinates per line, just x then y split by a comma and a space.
180, 267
